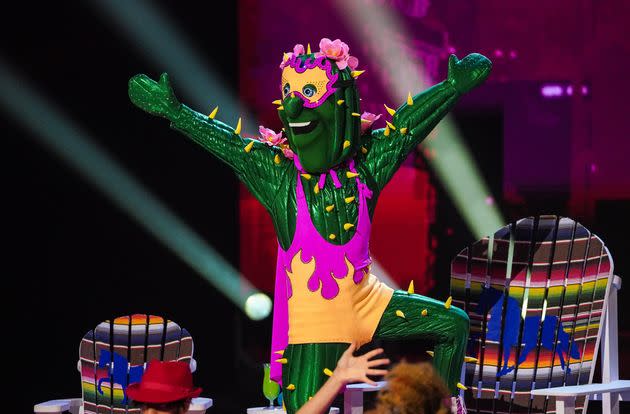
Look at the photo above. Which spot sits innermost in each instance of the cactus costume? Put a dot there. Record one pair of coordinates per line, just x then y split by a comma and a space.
320, 189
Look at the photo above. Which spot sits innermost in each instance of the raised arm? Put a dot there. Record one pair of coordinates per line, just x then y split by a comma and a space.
415, 119
258, 165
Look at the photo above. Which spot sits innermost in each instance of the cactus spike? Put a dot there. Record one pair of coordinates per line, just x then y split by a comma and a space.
237, 130
214, 112
308, 48
356, 73
409, 99
391, 111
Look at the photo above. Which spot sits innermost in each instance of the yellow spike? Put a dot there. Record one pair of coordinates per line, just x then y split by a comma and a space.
328, 372
424, 312
292, 95
290, 387
330, 208
400, 313
390, 125
332, 236
367, 121
340, 102
356, 114
310, 398
409, 99
316, 189
410, 289
470, 359
280, 108
306, 175
386, 132
390, 110
280, 352
356, 73
282, 360
237, 130
461, 386
348, 226
364, 150
431, 353
448, 302
349, 199
351, 174
346, 144
308, 48
249, 146
214, 112
285, 56
403, 131
277, 102
276, 159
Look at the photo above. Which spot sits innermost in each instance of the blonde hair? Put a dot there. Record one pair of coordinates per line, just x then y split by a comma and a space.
412, 389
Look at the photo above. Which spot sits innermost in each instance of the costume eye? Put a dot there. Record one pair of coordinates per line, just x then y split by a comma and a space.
286, 89
309, 91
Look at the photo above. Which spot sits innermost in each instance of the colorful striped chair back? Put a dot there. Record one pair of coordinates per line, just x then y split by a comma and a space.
535, 292
113, 355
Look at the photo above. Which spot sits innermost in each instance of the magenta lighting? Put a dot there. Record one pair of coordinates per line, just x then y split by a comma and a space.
551, 91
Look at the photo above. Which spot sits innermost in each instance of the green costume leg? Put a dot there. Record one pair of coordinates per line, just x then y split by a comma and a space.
304, 370
448, 328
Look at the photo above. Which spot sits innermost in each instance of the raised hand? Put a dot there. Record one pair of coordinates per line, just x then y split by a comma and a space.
157, 98
469, 72
356, 369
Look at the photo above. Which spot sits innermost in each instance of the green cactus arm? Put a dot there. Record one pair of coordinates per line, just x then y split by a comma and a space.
259, 166
415, 119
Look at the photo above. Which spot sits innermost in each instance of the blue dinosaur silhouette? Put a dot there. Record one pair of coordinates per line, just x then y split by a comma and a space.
491, 301
118, 373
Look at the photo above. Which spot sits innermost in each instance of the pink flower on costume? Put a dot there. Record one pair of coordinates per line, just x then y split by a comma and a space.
367, 119
269, 137
339, 52
287, 151
297, 50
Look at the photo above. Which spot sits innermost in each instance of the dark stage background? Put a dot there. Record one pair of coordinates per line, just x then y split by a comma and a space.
74, 258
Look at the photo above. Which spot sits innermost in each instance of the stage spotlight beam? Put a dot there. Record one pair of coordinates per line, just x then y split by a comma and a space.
69, 142
446, 153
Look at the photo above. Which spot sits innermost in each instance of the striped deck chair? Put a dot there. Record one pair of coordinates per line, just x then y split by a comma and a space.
537, 292
114, 355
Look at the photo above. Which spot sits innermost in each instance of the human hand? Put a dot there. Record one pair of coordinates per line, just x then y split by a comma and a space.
157, 98
469, 72
356, 369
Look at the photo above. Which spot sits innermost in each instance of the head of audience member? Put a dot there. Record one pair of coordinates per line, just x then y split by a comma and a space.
166, 388
413, 389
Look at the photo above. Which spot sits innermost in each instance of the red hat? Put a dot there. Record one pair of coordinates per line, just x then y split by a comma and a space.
164, 382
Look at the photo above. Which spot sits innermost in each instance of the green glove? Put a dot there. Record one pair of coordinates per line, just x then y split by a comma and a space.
156, 98
469, 72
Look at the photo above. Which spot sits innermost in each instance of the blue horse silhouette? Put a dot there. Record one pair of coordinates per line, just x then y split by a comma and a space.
491, 300
118, 373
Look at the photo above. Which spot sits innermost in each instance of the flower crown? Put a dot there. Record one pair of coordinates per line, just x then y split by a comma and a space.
335, 50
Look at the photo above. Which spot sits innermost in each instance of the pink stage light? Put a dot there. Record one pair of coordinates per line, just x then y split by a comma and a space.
570, 90
584, 90
498, 53
513, 54
551, 91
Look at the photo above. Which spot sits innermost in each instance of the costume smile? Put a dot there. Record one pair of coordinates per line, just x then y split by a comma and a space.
303, 127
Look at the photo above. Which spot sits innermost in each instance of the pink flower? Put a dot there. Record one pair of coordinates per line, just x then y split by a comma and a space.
269, 137
339, 52
297, 51
287, 151
367, 119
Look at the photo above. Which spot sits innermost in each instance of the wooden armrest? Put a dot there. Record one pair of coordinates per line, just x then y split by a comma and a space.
586, 389
58, 406
199, 405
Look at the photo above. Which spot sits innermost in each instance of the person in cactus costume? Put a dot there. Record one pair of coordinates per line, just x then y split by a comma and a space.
320, 181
